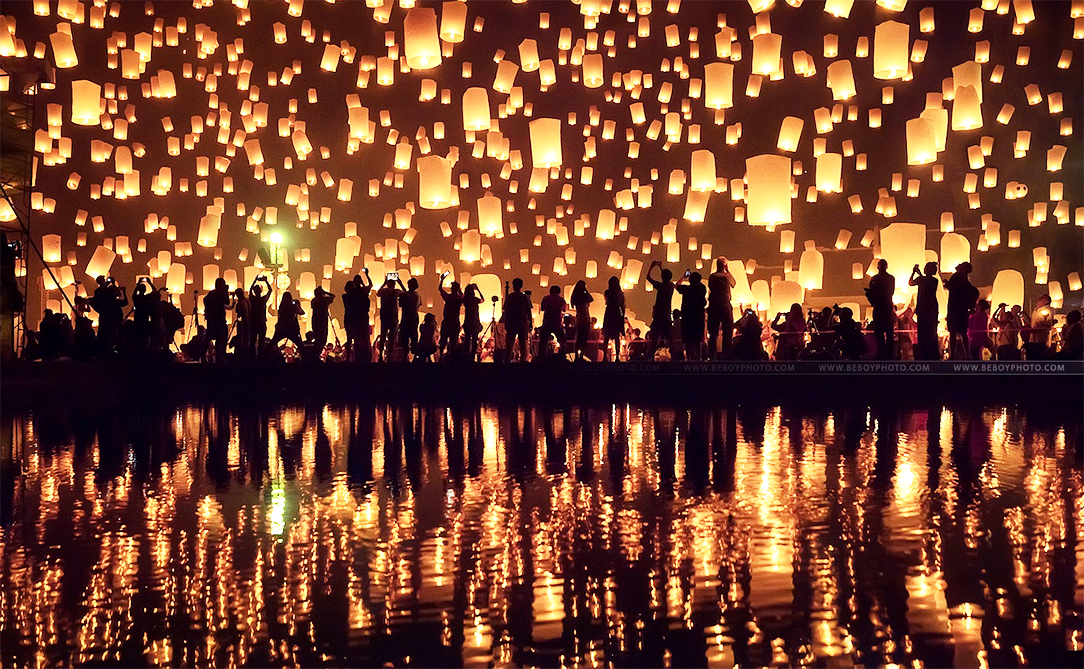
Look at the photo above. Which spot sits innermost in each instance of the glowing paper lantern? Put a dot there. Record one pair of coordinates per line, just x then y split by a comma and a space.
768, 189
545, 142
86, 102
955, 249
593, 76
434, 182
811, 269
476, 109
1008, 288
766, 48
453, 21
921, 144
702, 173
421, 43
63, 50
841, 80
790, 133
968, 74
100, 262
903, 245
718, 85
891, 50
839, 8
830, 173
966, 109
50, 248
784, 294
490, 217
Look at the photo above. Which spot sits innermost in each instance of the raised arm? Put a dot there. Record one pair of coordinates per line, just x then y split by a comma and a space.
440, 284
365, 272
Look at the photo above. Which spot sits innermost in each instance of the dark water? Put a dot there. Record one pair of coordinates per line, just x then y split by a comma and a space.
619, 535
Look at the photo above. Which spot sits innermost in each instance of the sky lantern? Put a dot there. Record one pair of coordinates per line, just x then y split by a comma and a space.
420, 38
940, 119
63, 50
453, 21
811, 268
593, 76
903, 245
86, 102
718, 85
966, 109
955, 249
968, 73
100, 262
768, 189
476, 114
702, 172
490, 215
784, 294
841, 80
1008, 288
830, 173
766, 49
434, 182
545, 142
840, 9
921, 147
50, 248
891, 50
790, 133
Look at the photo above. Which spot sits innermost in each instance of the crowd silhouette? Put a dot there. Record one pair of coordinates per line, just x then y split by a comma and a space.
702, 327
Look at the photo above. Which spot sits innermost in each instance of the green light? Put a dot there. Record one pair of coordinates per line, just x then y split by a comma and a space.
276, 237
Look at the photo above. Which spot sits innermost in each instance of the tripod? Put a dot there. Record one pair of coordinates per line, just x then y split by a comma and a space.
492, 328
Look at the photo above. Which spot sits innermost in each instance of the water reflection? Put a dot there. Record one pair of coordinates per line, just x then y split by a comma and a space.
541, 536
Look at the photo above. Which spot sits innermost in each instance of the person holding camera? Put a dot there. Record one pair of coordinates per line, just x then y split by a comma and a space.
356, 304
661, 318
720, 312
287, 326
321, 316
257, 310
408, 320
472, 318
215, 304
613, 319
926, 311
516, 317
693, 301
879, 293
450, 324
109, 301
962, 297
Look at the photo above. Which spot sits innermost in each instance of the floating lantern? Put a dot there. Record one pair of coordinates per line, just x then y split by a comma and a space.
841, 80
434, 182
490, 216
830, 172
86, 102
702, 173
891, 50
453, 21
1008, 288
784, 294
955, 249
766, 49
921, 147
593, 76
790, 132
718, 85
100, 262
768, 189
476, 109
811, 269
421, 42
968, 74
903, 245
966, 109
545, 142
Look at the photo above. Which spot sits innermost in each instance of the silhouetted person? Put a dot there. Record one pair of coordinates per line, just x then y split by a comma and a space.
879, 293
196, 347
287, 327
321, 315
850, 341
961, 302
613, 319
356, 305
387, 298
516, 317
258, 294
1072, 337
791, 332
581, 300
408, 320
54, 334
978, 330
926, 312
553, 308
449, 325
1042, 322
693, 302
472, 319
661, 319
720, 311
146, 313
109, 301
215, 304
1009, 322
749, 346
242, 324
84, 342
427, 339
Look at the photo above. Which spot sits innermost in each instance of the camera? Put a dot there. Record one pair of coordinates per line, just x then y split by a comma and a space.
392, 276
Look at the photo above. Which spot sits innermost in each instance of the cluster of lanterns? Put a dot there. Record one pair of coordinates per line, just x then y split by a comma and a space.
554, 142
